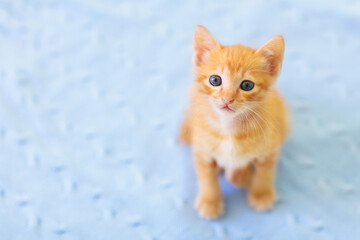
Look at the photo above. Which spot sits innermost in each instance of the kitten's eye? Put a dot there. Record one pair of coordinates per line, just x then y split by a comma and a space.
247, 85
215, 80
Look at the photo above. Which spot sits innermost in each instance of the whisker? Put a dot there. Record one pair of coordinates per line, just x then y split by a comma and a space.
258, 124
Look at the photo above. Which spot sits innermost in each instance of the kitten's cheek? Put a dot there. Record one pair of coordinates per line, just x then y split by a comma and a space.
215, 102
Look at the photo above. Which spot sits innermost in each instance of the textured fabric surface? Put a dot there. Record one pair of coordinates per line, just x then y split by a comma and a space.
92, 94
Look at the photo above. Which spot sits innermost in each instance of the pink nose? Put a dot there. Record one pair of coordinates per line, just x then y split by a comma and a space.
227, 101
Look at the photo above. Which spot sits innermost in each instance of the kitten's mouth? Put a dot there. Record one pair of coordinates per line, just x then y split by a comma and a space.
227, 108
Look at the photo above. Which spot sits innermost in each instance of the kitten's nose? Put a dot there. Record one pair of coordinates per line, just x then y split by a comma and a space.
227, 101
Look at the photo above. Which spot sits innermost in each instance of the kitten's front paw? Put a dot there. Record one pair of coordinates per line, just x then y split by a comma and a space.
262, 201
209, 208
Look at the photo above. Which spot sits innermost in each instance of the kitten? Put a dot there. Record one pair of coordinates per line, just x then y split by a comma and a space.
236, 120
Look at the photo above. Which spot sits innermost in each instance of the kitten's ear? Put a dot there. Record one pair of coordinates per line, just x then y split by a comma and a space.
204, 42
273, 52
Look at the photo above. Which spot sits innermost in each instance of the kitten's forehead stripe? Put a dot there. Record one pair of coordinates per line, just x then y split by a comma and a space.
239, 60
227, 78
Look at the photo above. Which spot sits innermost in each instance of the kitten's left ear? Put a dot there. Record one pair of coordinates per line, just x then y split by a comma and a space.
203, 44
273, 52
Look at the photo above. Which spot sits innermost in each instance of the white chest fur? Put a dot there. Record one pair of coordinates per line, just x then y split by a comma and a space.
230, 155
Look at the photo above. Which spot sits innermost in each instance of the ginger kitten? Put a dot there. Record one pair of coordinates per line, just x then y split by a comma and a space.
236, 120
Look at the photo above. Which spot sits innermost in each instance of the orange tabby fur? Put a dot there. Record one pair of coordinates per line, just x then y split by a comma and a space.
245, 142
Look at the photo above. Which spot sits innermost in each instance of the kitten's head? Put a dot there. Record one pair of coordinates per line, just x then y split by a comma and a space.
235, 78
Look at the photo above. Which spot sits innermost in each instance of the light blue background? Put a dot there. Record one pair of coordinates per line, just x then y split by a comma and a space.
92, 94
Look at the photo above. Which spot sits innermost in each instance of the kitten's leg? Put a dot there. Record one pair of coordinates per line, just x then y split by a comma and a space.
209, 200
262, 193
240, 177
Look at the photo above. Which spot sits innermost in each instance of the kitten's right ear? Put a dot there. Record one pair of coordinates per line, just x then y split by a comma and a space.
204, 42
273, 52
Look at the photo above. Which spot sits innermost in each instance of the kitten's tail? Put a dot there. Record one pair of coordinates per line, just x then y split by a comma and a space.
185, 131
